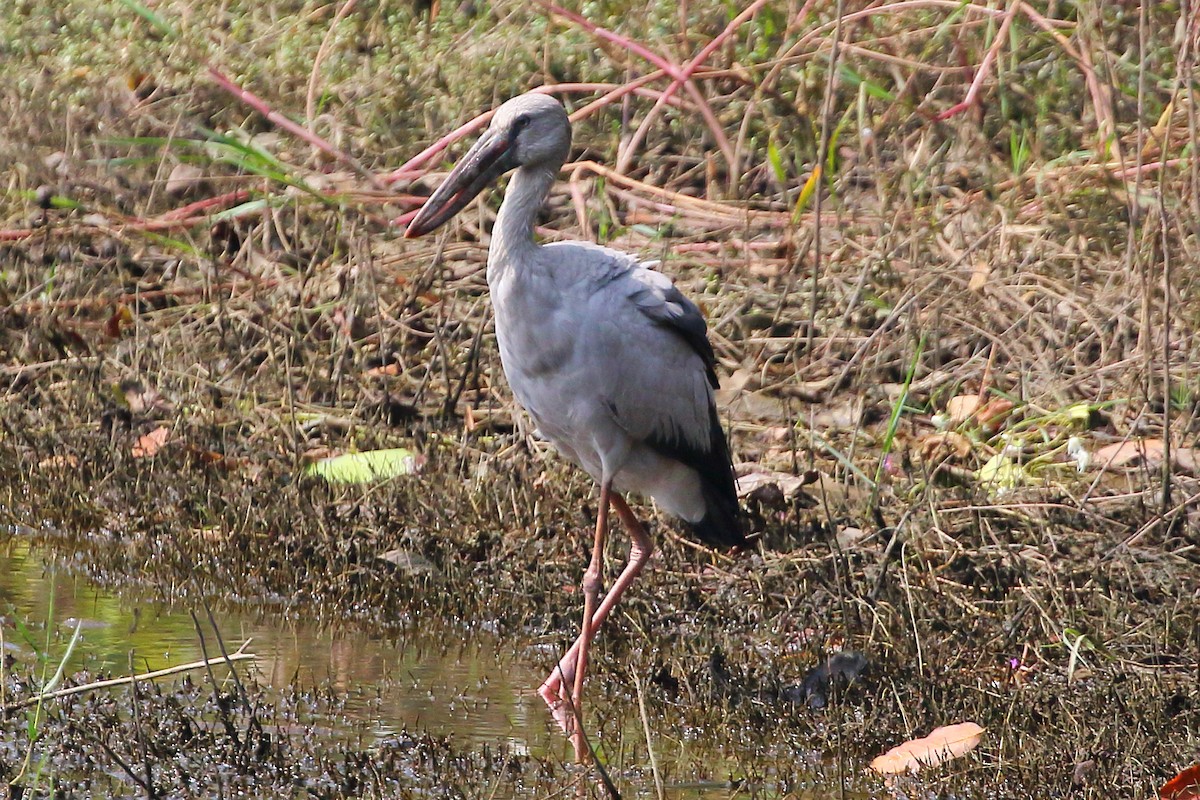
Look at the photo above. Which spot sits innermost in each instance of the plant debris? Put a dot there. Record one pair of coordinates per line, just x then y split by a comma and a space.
941, 279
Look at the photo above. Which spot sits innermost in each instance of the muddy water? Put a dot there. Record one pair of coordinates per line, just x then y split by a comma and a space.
449, 687
473, 689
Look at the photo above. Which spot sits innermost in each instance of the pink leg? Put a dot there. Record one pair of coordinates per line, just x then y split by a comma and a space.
591, 593
565, 673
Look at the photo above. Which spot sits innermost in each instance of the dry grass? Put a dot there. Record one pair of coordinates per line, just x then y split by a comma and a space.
1038, 246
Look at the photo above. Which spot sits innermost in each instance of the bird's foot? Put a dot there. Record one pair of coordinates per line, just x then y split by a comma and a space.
558, 699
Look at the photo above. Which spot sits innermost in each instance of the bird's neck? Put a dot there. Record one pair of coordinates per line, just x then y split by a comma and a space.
513, 234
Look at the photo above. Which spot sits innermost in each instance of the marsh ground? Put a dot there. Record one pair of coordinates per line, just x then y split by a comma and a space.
171, 259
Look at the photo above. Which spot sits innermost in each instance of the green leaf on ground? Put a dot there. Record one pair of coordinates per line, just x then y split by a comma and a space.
364, 467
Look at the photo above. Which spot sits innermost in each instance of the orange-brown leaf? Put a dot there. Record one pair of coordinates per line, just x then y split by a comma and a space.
961, 408
1120, 454
1184, 786
993, 413
151, 443
942, 744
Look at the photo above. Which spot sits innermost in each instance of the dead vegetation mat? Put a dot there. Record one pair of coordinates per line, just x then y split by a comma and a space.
989, 287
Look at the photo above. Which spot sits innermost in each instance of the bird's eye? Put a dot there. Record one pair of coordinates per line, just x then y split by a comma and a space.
521, 122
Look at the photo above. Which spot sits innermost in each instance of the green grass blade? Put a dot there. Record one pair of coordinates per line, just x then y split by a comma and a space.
160, 24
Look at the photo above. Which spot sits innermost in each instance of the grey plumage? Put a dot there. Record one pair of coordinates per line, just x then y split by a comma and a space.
613, 365
609, 359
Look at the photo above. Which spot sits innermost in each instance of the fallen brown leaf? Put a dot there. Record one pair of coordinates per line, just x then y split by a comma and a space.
979, 276
1121, 454
961, 408
779, 433
1148, 453
842, 414
763, 482
938, 447
183, 178
1187, 459
942, 744
151, 443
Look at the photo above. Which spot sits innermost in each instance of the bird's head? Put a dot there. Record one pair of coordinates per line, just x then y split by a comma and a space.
527, 131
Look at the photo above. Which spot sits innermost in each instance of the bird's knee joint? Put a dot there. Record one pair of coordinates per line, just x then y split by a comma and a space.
591, 583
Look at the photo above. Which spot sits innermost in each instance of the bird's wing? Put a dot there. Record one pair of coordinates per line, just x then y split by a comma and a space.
651, 355
652, 292
656, 297
663, 393
644, 354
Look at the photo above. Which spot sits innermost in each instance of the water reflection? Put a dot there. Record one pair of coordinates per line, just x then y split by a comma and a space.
470, 690
478, 691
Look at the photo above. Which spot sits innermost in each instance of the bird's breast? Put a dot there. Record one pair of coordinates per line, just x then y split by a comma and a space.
545, 351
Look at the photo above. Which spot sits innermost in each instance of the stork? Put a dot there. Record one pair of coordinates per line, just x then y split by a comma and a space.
609, 359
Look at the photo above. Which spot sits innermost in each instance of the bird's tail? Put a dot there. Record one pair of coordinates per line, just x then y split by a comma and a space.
722, 524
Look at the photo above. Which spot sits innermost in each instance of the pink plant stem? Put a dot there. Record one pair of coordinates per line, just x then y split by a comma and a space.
1153, 166
635, 86
413, 167
162, 224
206, 204
410, 167
617, 93
1100, 100
894, 8
280, 121
671, 68
689, 69
133, 225
985, 68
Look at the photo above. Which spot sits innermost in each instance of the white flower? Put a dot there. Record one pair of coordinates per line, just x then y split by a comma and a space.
1079, 453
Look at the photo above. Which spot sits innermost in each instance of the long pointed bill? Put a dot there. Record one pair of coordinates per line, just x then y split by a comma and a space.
488, 159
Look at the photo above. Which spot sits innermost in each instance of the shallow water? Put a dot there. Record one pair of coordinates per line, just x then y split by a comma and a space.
472, 688
445, 685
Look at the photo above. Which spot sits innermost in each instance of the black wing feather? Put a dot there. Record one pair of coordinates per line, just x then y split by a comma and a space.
722, 522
